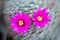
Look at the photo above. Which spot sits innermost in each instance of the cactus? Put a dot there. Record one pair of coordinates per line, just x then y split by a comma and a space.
47, 33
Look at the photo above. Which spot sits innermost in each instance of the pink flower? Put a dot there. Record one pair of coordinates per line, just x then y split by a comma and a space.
41, 17
20, 23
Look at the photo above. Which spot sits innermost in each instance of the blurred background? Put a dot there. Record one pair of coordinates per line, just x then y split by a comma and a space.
8, 9
3, 25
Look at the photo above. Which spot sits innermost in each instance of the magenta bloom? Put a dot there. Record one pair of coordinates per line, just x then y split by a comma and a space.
20, 23
41, 17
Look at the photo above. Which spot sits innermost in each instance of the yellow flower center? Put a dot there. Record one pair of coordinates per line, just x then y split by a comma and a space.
20, 22
39, 18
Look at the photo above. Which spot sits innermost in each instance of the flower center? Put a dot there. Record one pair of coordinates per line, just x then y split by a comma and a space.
20, 22
40, 18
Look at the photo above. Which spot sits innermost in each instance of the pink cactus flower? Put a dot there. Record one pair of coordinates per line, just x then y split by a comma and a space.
41, 17
20, 23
